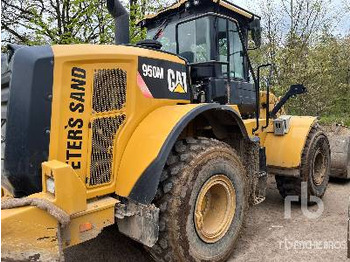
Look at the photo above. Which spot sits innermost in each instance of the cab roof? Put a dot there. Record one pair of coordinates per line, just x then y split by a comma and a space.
224, 6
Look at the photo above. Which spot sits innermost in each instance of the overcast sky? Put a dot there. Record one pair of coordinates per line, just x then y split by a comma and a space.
335, 8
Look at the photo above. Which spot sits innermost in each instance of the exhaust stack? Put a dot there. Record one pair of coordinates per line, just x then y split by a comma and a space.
121, 19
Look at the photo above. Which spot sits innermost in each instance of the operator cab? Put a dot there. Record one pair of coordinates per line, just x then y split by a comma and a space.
211, 36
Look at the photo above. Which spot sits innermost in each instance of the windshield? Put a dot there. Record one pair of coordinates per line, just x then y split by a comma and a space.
166, 37
193, 36
194, 40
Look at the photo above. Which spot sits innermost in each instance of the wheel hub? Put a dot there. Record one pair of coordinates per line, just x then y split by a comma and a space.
215, 208
319, 168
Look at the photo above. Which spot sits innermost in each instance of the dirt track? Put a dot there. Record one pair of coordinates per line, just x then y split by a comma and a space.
267, 235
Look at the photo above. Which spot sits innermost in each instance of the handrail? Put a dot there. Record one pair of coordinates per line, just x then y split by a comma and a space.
257, 114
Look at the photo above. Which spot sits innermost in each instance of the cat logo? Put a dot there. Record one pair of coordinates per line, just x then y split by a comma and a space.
177, 81
162, 79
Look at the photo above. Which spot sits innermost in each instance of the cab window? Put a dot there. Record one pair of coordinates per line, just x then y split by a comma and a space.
222, 42
236, 52
194, 40
230, 48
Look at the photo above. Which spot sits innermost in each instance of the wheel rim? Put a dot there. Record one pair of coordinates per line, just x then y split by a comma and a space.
319, 168
215, 208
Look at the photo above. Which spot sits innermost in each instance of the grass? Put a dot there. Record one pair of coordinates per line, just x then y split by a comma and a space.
335, 119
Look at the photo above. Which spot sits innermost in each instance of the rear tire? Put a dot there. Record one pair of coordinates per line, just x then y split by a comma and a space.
197, 168
315, 167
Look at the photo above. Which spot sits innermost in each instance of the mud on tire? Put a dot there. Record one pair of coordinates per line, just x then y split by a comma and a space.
315, 167
190, 165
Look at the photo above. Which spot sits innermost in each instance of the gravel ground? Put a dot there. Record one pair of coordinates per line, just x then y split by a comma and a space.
267, 236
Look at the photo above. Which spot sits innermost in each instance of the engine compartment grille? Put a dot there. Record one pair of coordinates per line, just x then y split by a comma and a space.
104, 130
109, 90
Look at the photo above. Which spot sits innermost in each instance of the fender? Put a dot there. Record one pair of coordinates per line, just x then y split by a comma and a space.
149, 146
284, 152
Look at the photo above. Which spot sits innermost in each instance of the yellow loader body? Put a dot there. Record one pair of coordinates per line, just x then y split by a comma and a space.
40, 226
146, 134
146, 128
29, 232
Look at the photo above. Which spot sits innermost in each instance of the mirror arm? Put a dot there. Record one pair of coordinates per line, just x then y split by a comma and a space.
294, 90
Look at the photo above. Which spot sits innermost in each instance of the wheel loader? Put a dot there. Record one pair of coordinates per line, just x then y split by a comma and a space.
170, 139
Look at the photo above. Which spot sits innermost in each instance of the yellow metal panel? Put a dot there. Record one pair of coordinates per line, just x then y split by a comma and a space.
273, 100
29, 232
32, 232
146, 142
99, 214
250, 124
285, 151
235, 108
106, 53
70, 191
90, 58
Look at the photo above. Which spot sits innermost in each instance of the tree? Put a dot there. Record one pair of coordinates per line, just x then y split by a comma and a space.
298, 38
138, 10
56, 21
34, 22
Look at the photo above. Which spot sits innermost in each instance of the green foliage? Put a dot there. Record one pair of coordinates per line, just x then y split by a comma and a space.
38, 22
325, 73
324, 69
138, 9
335, 119
305, 51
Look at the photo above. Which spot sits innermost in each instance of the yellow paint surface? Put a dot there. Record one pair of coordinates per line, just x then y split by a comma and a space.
285, 151
146, 142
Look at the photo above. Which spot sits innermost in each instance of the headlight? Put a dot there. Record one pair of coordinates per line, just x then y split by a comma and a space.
50, 185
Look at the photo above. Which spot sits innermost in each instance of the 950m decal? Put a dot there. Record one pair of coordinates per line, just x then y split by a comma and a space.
162, 79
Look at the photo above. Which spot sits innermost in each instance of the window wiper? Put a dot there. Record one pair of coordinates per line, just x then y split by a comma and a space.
160, 31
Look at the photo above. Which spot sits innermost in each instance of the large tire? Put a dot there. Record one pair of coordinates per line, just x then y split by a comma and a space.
315, 167
191, 166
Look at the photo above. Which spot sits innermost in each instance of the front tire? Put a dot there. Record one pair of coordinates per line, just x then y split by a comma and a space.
314, 170
203, 199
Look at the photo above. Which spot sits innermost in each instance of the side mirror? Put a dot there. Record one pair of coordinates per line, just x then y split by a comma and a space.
297, 89
255, 30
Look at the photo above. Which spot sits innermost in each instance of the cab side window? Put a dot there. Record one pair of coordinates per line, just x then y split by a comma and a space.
222, 42
236, 52
230, 48
194, 40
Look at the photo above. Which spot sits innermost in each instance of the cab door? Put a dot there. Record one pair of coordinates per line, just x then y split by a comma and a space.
230, 49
